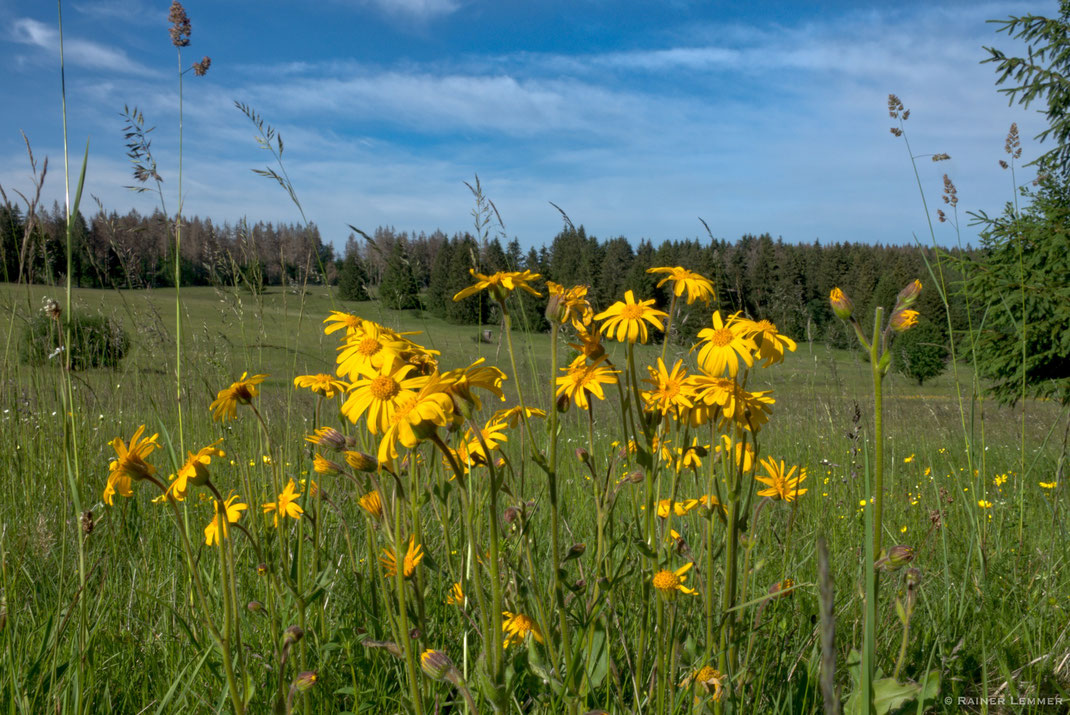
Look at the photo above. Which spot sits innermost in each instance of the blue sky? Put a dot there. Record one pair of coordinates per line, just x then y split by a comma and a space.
635, 117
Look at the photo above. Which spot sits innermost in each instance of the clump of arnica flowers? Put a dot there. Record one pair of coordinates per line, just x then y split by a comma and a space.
434, 504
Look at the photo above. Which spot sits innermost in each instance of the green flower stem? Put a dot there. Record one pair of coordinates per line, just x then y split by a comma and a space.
403, 616
875, 359
555, 528
668, 325
659, 664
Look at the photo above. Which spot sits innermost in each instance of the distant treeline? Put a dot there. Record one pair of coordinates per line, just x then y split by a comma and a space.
765, 278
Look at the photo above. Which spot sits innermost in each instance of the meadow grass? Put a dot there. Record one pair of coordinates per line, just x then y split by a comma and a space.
991, 612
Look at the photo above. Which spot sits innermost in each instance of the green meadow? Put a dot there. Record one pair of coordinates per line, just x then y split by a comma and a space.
100, 606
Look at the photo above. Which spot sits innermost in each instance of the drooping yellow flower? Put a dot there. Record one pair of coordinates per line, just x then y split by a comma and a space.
1048, 485
378, 393
625, 321
368, 349
771, 344
413, 556
569, 305
590, 344
748, 410
698, 287
233, 509
338, 321
736, 451
581, 380
322, 465
783, 482
691, 457
322, 384
512, 415
500, 284
195, 471
415, 417
372, 504
286, 505
516, 628
668, 583
492, 434
724, 346
679, 508
455, 596
672, 389
708, 681
129, 466
241, 392
462, 381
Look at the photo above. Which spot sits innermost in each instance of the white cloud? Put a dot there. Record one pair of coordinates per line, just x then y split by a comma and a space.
77, 51
421, 10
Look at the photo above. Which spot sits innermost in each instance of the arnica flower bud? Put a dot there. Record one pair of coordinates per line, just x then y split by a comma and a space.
361, 462
292, 635
322, 465
583, 455
435, 664
328, 437
904, 320
782, 589
896, 558
254, 607
575, 551
261, 568
841, 304
563, 403
556, 308
635, 477
304, 681
511, 514
908, 295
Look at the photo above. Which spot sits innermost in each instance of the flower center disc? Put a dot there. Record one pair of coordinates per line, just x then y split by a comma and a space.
384, 387
666, 580
721, 337
368, 347
631, 311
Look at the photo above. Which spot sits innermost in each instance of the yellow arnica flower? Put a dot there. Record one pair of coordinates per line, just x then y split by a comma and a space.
322, 465
415, 417
736, 451
668, 583
569, 305
516, 628
492, 435
455, 596
1048, 485
195, 471
241, 392
286, 505
771, 344
783, 483
129, 465
581, 380
322, 384
590, 344
625, 321
724, 345
841, 304
749, 410
413, 557
672, 390
233, 509
499, 284
378, 393
368, 347
984, 504
697, 286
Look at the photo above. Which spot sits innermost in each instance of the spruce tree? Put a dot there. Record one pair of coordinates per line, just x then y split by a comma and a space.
398, 289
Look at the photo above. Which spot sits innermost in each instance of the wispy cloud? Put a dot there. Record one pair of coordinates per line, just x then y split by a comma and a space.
87, 53
421, 10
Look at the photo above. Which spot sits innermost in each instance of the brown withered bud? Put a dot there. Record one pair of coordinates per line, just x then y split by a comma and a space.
583, 455
951, 194
1013, 146
896, 131
201, 68
415, 634
1004, 165
180, 26
254, 607
635, 477
941, 216
511, 514
941, 157
906, 115
87, 522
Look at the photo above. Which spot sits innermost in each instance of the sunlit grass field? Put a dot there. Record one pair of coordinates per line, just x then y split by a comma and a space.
990, 542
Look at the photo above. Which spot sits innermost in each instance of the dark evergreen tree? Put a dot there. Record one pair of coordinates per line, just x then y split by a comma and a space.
398, 289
